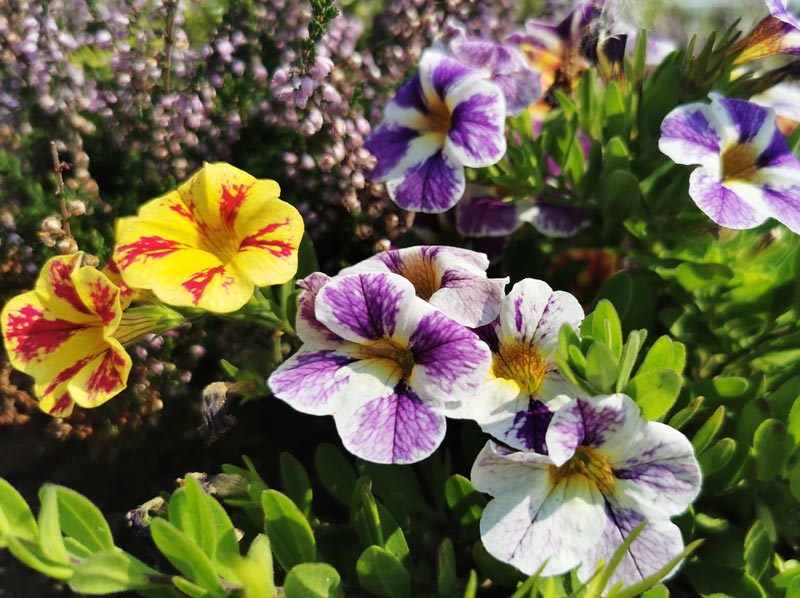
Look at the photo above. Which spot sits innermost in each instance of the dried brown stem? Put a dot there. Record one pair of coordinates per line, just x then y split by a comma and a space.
169, 41
59, 167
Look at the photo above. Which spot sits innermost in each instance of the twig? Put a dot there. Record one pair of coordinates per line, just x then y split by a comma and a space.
169, 41
59, 167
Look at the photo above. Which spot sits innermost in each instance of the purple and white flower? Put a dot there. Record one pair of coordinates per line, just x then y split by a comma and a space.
446, 117
747, 173
524, 387
778, 33
487, 216
608, 470
386, 364
451, 279
504, 64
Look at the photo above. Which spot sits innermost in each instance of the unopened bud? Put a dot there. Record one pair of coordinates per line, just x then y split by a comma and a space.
51, 225
67, 245
77, 207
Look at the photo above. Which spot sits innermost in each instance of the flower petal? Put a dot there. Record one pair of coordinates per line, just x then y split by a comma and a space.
450, 361
431, 185
486, 216
658, 543
555, 221
783, 202
100, 296
103, 377
57, 288
439, 73
309, 329
397, 428
477, 129
723, 204
313, 380
689, 135
390, 143
535, 523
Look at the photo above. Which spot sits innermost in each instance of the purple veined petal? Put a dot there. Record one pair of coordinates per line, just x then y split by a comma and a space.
397, 428
433, 185
533, 313
486, 216
657, 472
553, 220
309, 329
776, 154
477, 127
390, 144
439, 73
411, 95
541, 35
468, 299
753, 124
658, 543
533, 522
450, 361
783, 98
607, 423
725, 204
521, 89
783, 202
364, 307
313, 380
490, 334
689, 135
779, 10
499, 471
486, 54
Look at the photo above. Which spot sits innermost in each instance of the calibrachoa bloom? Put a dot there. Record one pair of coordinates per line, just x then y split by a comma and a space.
446, 117
451, 279
778, 33
747, 173
524, 387
69, 332
212, 241
608, 470
387, 365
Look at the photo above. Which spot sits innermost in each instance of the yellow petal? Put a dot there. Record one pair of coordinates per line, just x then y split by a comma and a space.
57, 289
57, 406
100, 295
270, 232
103, 377
127, 294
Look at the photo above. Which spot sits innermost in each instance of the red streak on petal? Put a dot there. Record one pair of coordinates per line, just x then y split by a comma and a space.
66, 374
103, 301
150, 247
64, 286
62, 405
232, 199
181, 210
276, 248
107, 377
198, 282
28, 332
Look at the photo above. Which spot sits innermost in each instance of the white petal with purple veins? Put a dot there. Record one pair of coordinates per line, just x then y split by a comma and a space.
432, 185
658, 543
553, 220
689, 136
309, 329
477, 129
532, 521
724, 203
439, 73
397, 428
486, 216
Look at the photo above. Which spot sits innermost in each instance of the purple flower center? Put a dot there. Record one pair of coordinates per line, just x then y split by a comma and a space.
588, 464
739, 163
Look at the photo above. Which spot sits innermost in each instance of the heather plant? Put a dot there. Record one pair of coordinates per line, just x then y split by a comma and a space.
539, 266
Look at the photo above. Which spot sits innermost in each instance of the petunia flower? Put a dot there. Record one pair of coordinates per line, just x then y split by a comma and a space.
388, 367
524, 387
212, 241
69, 335
446, 117
607, 471
747, 173
504, 64
451, 279
778, 33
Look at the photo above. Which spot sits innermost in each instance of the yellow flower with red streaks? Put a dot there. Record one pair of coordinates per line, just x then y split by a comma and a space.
208, 244
61, 334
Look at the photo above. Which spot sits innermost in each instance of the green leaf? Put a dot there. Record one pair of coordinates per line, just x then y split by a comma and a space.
187, 587
717, 456
50, 538
16, 518
313, 580
620, 196
335, 472
655, 391
255, 571
186, 556
758, 550
471, 589
659, 591
31, 555
601, 368
680, 419
708, 430
793, 421
630, 352
692, 276
794, 480
82, 520
772, 445
394, 538
665, 353
606, 327
567, 337
296, 483
634, 590
466, 503
381, 572
108, 572
446, 574
190, 512
226, 554
307, 262
632, 298
499, 572
289, 532
364, 514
